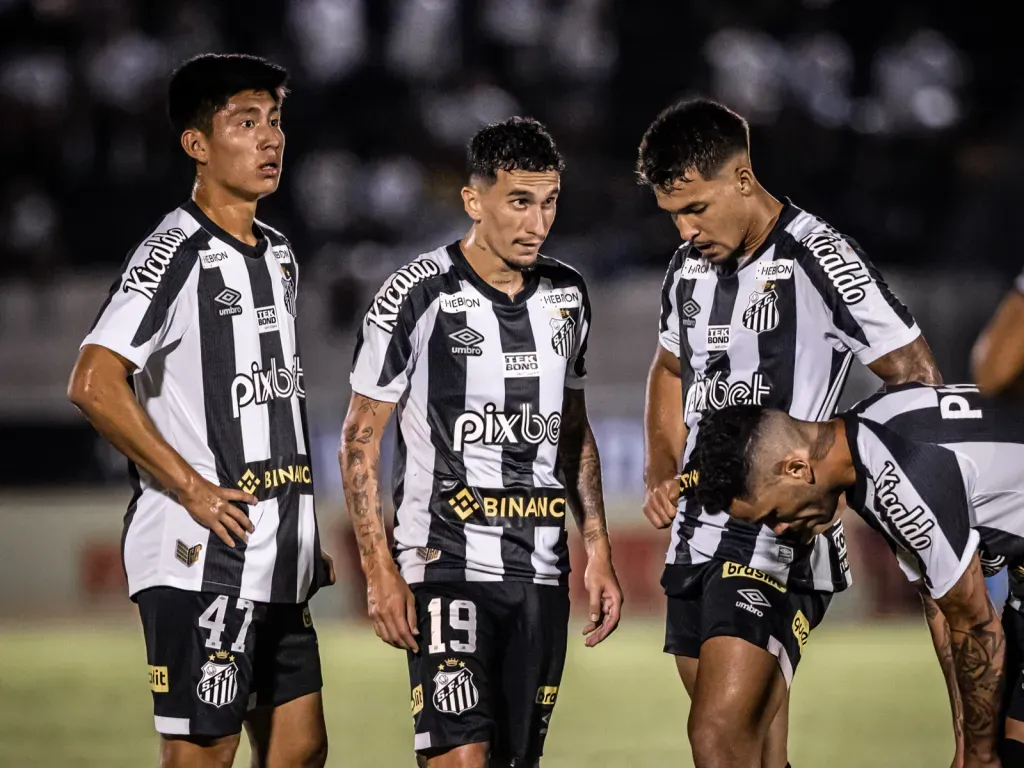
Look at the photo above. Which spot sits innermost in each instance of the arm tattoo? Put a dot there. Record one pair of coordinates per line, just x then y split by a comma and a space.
978, 647
944, 650
913, 362
580, 464
360, 461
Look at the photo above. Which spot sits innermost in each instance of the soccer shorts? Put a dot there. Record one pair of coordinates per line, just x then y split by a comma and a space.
1013, 692
212, 658
489, 665
725, 599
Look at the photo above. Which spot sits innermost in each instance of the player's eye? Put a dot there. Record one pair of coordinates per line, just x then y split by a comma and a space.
248, 123
519, 202
550, 201
276, 121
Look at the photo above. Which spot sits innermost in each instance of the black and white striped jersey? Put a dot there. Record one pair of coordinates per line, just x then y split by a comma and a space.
209, 322
987, 438
781, 332
478, 379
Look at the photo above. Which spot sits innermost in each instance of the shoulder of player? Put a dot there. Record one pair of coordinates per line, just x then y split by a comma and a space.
559, 273
175, 237
812, 239
417, 283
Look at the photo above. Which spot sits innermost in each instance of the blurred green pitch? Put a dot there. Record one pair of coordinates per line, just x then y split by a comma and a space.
864, 696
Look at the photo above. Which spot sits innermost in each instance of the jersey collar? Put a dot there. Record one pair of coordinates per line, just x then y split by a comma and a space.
530, 280
250, 251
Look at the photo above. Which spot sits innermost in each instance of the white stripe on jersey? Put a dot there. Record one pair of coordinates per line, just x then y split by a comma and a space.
550, 396
545, 562
261, 551
483, 550
483, 461
307, 552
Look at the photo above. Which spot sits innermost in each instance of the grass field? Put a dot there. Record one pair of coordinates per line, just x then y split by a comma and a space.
865, 696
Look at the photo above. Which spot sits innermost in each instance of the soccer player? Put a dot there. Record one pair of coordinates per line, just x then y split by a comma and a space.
480, 347
192, 371
765, 304
941, 475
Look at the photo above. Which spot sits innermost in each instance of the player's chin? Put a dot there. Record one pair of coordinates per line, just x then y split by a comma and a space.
522, 260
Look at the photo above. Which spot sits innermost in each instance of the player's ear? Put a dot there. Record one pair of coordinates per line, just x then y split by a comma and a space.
472, 203
797, 467
195, 145
745, 179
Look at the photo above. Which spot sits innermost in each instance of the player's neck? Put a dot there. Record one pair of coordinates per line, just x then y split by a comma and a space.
225, 210
491, 268
766, 211
838, 464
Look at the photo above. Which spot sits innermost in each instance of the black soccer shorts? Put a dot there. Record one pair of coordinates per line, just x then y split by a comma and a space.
489, 665
725, 599
1013, 692
212, 658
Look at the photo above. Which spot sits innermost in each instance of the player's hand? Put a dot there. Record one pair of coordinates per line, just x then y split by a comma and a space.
605, 599
211, 507
391, 606
660, 502
973, 761
329, 562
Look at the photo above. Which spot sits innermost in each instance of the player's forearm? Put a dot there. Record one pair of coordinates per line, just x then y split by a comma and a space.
111, 407
580, 463
942, 640
664, 429
978, 647
359, 457
913, 362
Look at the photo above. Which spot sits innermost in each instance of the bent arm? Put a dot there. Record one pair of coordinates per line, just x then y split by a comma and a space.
997, 359
664, 429
98, 387
911, 362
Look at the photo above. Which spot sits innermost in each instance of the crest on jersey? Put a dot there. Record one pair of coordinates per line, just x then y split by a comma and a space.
288, 284
454, 689
563, 335
762, 313
219, 684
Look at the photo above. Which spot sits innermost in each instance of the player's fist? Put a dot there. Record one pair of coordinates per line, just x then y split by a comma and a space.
211, 507
660, 502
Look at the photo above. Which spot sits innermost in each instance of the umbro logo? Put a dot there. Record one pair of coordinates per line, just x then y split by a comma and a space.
753, 601
229, 299
690, 310
466, 342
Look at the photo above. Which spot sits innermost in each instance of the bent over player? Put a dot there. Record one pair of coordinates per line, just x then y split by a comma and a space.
480, 347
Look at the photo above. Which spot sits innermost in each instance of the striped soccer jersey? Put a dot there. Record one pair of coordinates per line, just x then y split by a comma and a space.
209, 323
478, 379
781, 331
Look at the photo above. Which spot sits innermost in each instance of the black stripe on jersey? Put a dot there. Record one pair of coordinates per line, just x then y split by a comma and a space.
283, 444
842, 318
883, 287
839, 372
777, 348
936, 477
223, 570
999, 423
666, 289
684, 291
522, 398
181, 264
136, 485
399, 351
446, 386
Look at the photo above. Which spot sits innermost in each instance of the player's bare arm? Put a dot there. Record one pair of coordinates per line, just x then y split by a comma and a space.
389, 600
997, 360
664, 437
99, 389
580, 462
978, 647
943, 642
911, 362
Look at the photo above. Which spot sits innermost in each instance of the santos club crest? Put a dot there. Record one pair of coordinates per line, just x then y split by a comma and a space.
454, 689
563, 335
761, 313
219, 684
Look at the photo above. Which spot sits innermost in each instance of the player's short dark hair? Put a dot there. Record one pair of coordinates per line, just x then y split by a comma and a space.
723, 456
204, 84
516, 144
698, 134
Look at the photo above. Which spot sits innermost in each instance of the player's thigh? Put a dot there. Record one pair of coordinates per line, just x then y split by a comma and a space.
465, 756
683, 631
199, 650
198, 752
286, 720
534, 658
775, 750
453, 678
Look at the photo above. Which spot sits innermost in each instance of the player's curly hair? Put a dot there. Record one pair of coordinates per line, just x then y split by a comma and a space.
203, 85
516, 144
723, 455
698, 134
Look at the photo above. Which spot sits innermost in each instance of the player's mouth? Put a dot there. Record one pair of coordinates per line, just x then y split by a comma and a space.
530, 245
270, 169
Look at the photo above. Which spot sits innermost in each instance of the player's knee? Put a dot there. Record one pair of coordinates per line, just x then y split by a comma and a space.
198, 752
465, 756
317, 753
717, 742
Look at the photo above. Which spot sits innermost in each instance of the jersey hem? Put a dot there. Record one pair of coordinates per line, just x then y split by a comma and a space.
891, 344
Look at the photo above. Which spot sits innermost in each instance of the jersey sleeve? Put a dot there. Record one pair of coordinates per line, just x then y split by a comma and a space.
149, 305
576, 370
390, 338
916, 495
866, 316
668, 327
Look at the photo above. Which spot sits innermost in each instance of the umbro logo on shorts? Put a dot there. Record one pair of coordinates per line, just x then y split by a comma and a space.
753, 600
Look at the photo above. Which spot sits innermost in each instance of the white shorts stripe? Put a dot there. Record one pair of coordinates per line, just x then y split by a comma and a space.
778, 650
421, 741
171, 726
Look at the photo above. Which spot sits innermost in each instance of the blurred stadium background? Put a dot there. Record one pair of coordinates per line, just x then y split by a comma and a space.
898, 123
